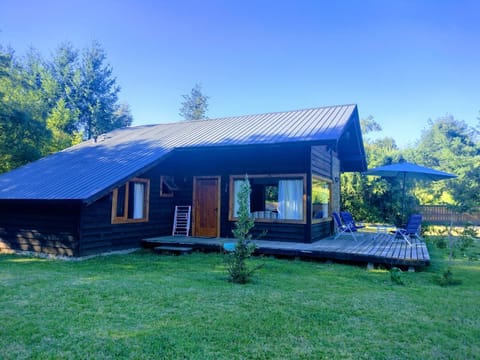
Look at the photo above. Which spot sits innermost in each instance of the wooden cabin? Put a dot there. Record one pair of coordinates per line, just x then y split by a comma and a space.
109, 193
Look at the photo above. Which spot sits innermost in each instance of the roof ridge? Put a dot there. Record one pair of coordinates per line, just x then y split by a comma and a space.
251, 114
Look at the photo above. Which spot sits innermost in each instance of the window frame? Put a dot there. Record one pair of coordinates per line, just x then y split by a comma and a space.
146, 201
231, 200
330, 184
164, 182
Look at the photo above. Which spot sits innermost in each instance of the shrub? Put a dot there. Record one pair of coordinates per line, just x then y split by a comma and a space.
395, 276
441, 242
437, 235
447, 279
467, 237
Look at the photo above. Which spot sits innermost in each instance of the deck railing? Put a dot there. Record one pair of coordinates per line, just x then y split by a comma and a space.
442, 215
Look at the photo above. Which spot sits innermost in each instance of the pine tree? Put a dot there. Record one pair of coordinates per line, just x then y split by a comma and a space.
195, 105
99, 92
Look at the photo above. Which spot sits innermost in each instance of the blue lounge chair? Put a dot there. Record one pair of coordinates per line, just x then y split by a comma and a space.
348, 220
411, 230
342, 228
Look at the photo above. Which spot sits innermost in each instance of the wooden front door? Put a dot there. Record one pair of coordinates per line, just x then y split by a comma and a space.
206, 206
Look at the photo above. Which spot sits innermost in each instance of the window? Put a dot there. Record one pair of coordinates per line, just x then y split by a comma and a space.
273, 198
167, 186
321, 199
130, 202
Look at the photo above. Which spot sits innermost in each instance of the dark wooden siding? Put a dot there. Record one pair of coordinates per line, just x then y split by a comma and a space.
98, 234
241, 160
321, 161
224, 162
321, 230
40, 226
279, 232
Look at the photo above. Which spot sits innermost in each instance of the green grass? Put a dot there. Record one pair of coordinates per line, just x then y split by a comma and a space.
149, 306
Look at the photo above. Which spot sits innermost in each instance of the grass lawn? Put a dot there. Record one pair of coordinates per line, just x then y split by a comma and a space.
149, 306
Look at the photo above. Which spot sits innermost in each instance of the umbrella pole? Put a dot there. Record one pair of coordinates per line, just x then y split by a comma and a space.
403, 197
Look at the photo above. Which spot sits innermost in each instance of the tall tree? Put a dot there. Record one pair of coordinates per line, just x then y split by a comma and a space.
371, 198
477, 130
48, 105
369, 125
22, 129
450, 145
98, 92
60, 122
122, 117
195, 104
65, 84
55, 85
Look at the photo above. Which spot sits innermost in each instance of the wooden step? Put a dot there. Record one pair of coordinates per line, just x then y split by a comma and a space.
179, 250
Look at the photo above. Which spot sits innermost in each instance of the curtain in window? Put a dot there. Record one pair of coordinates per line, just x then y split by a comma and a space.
236, 189
138, 200
290, 199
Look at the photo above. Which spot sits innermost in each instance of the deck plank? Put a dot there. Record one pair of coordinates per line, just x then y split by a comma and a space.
368, 248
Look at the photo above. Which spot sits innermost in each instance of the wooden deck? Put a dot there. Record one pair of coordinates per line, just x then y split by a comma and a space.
367, 248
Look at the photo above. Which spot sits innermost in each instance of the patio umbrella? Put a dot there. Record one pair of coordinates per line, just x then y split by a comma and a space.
406, 170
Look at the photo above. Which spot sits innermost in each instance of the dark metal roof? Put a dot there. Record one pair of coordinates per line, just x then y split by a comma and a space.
84, 171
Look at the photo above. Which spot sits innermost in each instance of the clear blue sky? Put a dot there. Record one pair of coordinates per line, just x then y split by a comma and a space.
403, 62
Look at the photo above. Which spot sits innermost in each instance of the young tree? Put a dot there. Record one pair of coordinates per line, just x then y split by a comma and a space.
238, 270
195, 104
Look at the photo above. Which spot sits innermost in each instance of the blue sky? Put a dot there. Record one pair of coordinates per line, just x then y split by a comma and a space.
403, 62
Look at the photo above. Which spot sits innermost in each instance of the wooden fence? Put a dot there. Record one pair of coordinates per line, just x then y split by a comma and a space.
441, 215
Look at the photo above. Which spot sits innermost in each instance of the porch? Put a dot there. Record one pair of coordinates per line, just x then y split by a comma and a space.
369, 248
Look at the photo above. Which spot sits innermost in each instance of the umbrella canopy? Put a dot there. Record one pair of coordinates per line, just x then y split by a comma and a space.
408, 170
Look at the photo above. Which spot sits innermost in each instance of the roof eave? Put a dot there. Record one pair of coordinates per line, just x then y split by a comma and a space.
352, 163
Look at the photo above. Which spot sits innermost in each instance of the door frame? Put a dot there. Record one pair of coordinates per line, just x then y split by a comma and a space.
219, 187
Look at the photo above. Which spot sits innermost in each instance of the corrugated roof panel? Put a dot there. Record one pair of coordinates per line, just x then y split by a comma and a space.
311, 128
85, 170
